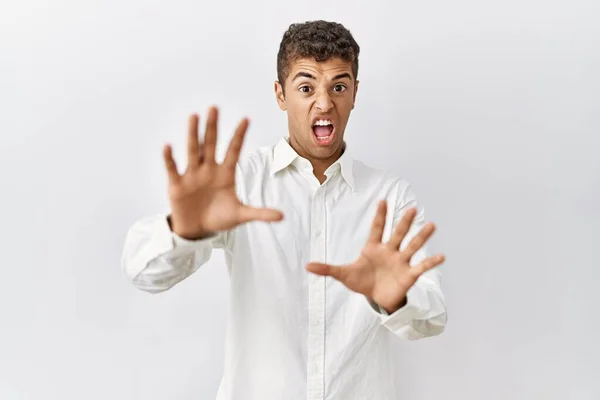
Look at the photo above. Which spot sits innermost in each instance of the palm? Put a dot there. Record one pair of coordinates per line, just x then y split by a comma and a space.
382, 272
204, 199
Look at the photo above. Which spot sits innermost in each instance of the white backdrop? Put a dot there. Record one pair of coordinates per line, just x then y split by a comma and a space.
490, 109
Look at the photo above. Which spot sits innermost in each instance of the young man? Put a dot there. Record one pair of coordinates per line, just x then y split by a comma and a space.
322, 274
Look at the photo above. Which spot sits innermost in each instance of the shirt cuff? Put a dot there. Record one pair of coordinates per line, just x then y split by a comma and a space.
179, 245
416, 307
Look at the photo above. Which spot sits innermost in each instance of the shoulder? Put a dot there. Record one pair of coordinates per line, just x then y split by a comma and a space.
256, 159
392, 185
254, 165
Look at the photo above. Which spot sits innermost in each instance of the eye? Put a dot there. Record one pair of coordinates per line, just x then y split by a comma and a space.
304, 88
340, 88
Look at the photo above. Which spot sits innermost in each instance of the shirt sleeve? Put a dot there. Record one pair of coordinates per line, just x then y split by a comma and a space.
155, 259
424, 313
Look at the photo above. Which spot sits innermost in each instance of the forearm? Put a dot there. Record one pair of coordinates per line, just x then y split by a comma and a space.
422, 315
155, 259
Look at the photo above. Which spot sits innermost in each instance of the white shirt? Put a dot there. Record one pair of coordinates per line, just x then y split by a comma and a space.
291, 334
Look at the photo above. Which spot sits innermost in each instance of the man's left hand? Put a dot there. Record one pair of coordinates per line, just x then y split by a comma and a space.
382, 272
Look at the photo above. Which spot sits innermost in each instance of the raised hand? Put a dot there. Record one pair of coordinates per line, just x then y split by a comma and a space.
382, 272
203, 199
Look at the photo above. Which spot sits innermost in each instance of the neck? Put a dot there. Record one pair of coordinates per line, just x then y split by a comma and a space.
319, 165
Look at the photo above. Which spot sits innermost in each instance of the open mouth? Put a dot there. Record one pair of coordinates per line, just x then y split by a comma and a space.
323, 130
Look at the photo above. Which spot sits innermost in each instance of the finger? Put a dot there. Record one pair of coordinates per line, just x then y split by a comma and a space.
201, 153
170, 164
378, 223
339, 273
235, 146
248, 214
427, 264
419, 240
402, 229
210, 136
193, 145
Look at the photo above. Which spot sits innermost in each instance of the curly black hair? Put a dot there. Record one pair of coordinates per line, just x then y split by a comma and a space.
320, 40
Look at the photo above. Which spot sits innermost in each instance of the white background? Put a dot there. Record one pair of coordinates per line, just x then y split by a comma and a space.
489, 108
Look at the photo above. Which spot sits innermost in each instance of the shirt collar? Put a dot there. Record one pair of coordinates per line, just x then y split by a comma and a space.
284, 155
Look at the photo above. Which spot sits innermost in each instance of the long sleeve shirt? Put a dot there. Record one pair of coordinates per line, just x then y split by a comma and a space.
292, 334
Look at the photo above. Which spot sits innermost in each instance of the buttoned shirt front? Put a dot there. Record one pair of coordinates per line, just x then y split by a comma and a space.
292, 334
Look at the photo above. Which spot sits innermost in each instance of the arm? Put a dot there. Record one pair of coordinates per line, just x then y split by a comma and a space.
397, 276
155, 258
424, 312
205, 208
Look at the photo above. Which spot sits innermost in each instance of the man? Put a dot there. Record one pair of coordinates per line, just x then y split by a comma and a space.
325, 255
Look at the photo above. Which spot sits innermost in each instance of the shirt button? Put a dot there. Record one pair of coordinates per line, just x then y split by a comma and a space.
316, 322
318, 233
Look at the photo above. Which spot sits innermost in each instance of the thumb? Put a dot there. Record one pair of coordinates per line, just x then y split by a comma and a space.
339, 273
248, 214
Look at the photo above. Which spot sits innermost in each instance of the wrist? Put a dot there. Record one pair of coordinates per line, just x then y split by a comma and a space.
393, 309
197, 235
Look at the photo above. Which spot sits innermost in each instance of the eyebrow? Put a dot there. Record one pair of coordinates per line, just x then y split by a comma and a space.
335, 78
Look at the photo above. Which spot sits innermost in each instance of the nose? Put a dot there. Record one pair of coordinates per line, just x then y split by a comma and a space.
324, 102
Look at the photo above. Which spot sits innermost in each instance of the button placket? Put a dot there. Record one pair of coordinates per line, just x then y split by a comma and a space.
316, 328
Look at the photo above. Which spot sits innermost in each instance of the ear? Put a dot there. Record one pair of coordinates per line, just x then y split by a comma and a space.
354, 96
280, 96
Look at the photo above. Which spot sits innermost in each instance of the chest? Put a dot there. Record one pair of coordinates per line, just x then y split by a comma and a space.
327, 222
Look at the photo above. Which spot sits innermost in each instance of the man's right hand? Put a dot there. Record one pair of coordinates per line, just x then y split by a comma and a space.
203, 199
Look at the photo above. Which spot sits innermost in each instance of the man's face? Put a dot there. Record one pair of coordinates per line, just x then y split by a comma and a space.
319, 97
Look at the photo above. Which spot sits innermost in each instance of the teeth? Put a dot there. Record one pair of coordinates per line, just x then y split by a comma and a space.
323, 122
323, 137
